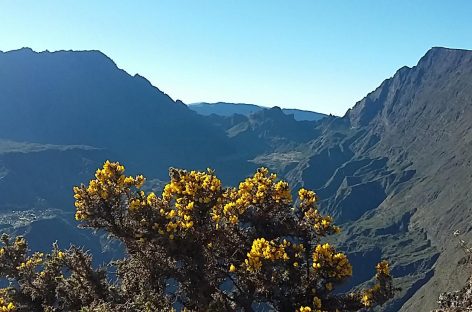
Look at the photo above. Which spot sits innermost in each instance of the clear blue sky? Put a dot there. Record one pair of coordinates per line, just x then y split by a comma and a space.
317, 55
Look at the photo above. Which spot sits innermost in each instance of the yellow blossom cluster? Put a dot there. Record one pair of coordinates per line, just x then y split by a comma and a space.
307, 197
182, 195
368, 295
382, 268
110, 183
60, 254
317, 307
32, 262
6, 306
328, 261
201, 186
316, 304
263, 249
260, 189
367, 298
20, 243
323, 225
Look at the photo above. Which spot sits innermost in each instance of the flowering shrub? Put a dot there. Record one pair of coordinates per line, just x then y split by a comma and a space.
198, 246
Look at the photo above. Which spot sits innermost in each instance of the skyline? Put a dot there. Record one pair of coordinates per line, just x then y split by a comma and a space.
319, 56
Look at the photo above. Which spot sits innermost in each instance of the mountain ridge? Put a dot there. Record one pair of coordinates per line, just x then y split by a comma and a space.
394, 148
226, 109
393, 171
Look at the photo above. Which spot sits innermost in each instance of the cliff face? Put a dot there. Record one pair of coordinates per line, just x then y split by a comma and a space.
397, 170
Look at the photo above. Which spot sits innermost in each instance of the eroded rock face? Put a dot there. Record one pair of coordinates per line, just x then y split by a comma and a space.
396, 171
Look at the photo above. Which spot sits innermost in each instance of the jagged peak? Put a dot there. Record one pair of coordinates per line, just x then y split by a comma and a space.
272, 112
437, 57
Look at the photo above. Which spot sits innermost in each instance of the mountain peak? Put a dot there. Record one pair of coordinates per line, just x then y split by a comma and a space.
444, 56
437, 62
230, 109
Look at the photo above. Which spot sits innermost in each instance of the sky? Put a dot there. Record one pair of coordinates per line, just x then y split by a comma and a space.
322, 56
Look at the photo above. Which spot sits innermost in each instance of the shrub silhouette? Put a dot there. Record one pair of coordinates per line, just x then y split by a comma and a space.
198, 246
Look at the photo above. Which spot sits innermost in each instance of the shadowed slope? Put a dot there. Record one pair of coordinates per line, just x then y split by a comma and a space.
397, 168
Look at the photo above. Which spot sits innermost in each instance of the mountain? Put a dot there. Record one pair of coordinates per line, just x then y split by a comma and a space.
228, 109
83, 98
62, 114
268, 137
395, 171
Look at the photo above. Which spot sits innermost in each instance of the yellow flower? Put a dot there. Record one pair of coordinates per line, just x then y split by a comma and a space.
134, 204
80, 216
233, 219
335, 264
140, 181
263, 249
307, 197
151, 198
6, 307
367, 299
383, 268
232, 268
129, 181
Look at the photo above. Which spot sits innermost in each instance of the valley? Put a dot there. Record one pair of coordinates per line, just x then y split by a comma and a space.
394, 171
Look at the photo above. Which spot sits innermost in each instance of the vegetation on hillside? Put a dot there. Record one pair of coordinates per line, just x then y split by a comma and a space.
198, 246
458, 300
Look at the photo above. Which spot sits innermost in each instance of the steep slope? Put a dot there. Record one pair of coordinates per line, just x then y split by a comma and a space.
229, 109
397, 170
37, 176
84, 98
81, 98
36, 193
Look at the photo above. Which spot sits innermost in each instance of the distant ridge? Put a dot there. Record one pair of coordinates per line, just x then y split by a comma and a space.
229, 109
